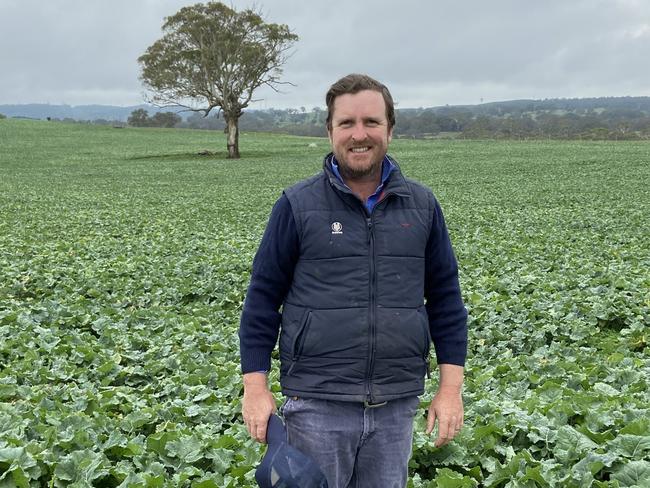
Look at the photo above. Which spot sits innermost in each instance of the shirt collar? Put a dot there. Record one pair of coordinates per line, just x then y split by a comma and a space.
387, 166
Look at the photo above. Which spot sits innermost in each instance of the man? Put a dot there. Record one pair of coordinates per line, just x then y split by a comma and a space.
351, 255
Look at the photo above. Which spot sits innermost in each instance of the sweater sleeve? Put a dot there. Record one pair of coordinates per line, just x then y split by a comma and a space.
271, 278
444, 304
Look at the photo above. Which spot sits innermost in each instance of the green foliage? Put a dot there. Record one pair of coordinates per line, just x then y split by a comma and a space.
165, 119
2, 116
214, 56
140, 118
125, 257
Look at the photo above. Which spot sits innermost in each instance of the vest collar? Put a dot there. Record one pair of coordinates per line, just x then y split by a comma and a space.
395, 184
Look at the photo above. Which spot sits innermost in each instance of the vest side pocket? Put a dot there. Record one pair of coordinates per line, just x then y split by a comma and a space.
298, 342
428, 339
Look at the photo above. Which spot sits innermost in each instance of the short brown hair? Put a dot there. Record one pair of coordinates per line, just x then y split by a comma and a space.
354, 83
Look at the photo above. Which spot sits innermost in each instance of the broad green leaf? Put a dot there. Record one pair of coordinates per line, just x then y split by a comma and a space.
634, 473
535, 475
640, 427
513, 470
571, 445
221, 459
631, 446
447, 478
81, 466
20, 478
133, 480
17, 456
187, 449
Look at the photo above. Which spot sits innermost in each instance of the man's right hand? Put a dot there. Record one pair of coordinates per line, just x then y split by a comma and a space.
257, 405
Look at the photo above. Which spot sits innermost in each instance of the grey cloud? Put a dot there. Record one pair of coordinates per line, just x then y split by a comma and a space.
429, 53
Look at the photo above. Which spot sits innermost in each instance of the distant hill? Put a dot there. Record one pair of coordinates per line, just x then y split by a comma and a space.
566, 104
79, 112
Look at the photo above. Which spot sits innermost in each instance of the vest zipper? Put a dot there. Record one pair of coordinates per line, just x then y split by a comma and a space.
371, 309
372, 341
373, 299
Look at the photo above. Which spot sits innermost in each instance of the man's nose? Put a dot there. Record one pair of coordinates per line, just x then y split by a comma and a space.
359, 132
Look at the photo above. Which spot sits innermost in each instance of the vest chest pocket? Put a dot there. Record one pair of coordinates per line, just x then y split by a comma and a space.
299, 341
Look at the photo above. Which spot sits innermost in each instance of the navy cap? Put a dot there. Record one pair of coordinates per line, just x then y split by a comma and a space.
284, 466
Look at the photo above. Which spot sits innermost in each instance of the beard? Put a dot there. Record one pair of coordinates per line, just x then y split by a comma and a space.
358, 172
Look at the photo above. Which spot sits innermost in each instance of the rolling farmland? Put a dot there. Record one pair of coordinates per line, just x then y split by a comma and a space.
125, 257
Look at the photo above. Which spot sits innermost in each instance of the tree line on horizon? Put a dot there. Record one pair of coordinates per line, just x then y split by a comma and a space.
602, 119
499, 120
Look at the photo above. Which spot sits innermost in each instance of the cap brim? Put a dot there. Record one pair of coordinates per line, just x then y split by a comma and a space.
275, 431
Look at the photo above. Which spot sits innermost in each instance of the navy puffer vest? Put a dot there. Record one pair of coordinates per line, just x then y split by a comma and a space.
354, 326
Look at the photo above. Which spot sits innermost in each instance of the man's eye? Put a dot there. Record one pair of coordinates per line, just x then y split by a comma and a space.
372, 123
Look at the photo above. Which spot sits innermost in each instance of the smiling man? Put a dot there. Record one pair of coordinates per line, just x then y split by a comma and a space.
359, 261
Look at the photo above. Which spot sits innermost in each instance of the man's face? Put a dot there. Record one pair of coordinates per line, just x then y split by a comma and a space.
359, 133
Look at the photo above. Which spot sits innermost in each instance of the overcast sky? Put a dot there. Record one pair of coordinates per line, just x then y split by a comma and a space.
429, 53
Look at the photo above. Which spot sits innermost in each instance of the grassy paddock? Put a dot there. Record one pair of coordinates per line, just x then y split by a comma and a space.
124, 260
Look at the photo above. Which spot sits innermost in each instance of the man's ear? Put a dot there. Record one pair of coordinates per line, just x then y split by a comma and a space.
329, 135
390, 135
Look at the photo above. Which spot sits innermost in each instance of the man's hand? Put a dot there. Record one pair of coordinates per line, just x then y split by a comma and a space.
257, 405
447, 405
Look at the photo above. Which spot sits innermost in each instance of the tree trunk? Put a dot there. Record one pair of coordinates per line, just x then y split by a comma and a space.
232, 130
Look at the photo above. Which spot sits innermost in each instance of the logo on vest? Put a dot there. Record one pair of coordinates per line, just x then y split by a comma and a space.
337, 228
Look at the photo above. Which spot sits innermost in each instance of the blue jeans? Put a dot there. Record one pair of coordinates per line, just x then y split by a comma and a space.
355, 446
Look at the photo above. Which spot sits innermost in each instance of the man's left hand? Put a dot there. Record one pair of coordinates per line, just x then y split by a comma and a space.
447, 409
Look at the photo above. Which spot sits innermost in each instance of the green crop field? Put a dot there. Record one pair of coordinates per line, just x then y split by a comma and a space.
125, 257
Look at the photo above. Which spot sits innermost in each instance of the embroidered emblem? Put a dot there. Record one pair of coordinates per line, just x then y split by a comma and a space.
337, 228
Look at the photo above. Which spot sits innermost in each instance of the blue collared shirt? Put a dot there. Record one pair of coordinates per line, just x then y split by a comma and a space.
387, 167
